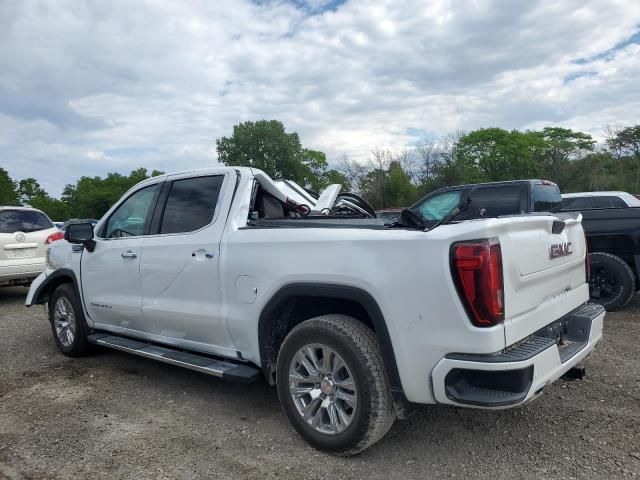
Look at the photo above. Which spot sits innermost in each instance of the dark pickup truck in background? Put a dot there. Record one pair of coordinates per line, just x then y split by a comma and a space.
491, 199
613, 239
613, 234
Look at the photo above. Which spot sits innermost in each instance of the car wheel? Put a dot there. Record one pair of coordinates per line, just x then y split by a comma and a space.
612, 283
333, 386
67, 321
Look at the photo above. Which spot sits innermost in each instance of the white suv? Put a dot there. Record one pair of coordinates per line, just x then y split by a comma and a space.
25, 234
591, 200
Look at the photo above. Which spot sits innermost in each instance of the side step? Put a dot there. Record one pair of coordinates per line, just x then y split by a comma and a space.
200, 363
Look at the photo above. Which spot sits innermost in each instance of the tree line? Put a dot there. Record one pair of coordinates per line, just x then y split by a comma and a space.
90, 197
572, 159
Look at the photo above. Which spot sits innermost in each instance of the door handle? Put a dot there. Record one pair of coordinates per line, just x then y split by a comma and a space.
128, 254
201, 252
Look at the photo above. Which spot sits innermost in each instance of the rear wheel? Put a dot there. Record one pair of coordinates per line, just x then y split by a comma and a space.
612, 283
68, 322
333, 386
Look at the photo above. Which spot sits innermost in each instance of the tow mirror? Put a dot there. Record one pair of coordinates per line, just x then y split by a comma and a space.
80, 233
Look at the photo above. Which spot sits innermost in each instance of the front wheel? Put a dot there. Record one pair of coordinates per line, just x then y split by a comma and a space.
612, 283
333, 386
67, 321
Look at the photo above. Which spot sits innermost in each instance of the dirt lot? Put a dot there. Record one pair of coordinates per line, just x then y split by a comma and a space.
117, 416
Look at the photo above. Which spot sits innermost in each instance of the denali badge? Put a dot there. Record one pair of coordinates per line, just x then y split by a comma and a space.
100, 305
560, 250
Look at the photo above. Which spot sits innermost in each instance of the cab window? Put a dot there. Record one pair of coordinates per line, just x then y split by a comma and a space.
191, 204
438, 206
132, 216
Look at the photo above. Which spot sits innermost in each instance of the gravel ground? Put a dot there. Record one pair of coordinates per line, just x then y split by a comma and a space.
113, 415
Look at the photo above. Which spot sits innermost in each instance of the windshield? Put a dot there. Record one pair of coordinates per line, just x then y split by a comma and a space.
23, 221
436, 207
546, 197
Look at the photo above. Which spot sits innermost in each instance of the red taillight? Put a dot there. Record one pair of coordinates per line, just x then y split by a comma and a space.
477, 267
53, 237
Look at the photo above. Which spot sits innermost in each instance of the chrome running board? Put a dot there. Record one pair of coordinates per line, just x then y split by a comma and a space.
193, 361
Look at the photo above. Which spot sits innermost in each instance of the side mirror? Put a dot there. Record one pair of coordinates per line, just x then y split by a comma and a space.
80, 233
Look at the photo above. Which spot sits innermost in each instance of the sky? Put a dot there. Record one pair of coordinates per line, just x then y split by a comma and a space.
93, 87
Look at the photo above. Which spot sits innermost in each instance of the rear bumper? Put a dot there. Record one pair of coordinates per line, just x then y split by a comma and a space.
520, 373
24, 271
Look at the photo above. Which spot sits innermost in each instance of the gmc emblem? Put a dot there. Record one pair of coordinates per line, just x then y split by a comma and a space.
560, 250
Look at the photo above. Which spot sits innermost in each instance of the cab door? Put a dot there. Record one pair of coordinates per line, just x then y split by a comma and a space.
110, 275
180, 264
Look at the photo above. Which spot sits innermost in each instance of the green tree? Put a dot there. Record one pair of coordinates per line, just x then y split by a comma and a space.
385, 181
557, 147
399, 190
314, 168
91, 197
267, 146
8, 193
624, 143
55, 209
31, 193
332, 176
317, 175
29, 188
594, 171
494, 154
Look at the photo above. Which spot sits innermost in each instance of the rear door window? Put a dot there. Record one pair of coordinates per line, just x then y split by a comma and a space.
497, 201
546, 197
608, 202
23, 221
191, 204
577, 203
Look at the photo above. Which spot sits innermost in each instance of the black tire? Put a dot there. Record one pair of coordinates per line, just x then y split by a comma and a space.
612, 283
78, 345
358, 347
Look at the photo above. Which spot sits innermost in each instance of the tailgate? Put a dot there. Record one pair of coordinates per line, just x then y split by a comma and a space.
543, 261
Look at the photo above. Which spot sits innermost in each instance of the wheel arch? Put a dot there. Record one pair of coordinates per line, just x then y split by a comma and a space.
54, 280
294, 303
623, 246
625, 268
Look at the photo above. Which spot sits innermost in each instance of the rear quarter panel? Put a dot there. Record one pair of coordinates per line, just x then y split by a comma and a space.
406, 272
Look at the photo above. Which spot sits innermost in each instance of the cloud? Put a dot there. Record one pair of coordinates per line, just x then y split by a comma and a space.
92, 87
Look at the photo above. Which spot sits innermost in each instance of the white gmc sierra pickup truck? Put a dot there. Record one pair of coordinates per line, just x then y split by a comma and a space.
227, 272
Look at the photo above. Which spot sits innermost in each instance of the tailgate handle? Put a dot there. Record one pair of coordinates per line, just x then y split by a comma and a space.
558, 226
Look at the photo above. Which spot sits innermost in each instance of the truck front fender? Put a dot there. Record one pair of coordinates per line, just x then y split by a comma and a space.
56, 278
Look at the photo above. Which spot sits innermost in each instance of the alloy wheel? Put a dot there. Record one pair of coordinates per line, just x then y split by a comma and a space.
322, 388
64, 321
603, 284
